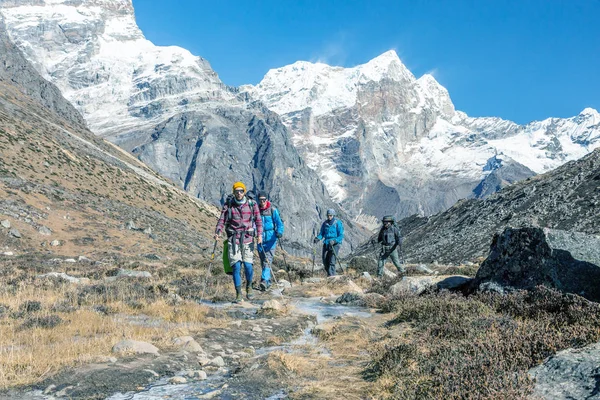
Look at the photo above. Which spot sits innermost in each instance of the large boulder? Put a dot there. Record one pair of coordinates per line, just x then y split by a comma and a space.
524, 258
569, 374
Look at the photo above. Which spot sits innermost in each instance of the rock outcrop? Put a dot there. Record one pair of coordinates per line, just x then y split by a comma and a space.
523, 259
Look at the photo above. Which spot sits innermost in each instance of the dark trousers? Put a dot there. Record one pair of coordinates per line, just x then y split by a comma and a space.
329, 258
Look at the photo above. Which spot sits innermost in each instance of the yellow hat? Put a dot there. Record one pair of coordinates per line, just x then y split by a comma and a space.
239, 185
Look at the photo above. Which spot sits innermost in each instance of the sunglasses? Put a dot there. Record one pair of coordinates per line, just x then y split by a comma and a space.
238, 191
262, 199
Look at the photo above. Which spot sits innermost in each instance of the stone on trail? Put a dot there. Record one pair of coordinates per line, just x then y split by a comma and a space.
135, 347
5, 224
187, 343
177, 380
272, 305
217, 362
285, 284
412, 285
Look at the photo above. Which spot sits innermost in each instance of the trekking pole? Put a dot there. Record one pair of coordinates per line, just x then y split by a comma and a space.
285, 262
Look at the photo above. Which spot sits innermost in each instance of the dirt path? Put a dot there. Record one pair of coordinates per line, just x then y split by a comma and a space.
260, 354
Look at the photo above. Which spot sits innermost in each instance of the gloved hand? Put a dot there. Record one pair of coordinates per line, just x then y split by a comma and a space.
332, 242
279, 235
316, 240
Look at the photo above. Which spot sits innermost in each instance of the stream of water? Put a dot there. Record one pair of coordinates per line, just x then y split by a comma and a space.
214, 386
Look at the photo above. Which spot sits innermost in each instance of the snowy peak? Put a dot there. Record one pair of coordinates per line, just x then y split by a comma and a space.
431, 90
96, 54
324, 88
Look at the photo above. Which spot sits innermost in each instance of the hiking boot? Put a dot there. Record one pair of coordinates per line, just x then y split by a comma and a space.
238, 295
263, 286
249, 294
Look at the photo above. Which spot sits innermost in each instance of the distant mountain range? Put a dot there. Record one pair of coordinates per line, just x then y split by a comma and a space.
369, 140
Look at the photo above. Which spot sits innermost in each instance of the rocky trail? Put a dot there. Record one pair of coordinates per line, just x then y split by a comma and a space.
232, 361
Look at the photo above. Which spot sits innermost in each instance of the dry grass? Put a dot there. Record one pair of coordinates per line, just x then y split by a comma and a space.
328, 370
46, 325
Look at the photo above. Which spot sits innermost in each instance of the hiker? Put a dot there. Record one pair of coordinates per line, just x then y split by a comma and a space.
332, 234
240, 217
389, 237
272, 231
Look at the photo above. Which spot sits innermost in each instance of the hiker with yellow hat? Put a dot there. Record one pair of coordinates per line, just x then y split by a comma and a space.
240, 218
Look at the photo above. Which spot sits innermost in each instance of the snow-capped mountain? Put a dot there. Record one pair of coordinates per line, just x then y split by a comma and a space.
166, 106
386, 142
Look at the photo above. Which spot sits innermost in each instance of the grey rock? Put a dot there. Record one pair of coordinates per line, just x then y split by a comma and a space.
414, 285
367, 276
350, 298
135, 347
15, 233
177, 380
283, 283
131, 226
127, 273
187, 343
45, 231
272, 305
454, 282
61, 276
5, 224
148, 230
217, 362
569, 374
522, 258
55, 243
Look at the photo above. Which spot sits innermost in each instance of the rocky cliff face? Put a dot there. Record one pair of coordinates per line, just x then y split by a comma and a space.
17, 71
385, 142
166, 106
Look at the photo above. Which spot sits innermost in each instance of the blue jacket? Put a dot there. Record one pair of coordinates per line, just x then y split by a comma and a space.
272, 224
333, 229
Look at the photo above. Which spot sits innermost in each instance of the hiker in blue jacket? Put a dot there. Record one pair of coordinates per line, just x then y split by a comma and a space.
332, 234
272, 231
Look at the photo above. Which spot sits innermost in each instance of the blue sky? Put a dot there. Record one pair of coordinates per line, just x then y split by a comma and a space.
520, 60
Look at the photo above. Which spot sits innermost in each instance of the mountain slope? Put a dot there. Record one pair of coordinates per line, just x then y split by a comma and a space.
61, 184
385, 142
564, 199
167, 107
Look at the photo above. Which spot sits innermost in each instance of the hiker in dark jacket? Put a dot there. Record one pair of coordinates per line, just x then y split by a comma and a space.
389, 237
332, 234
240, 217
272, 231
